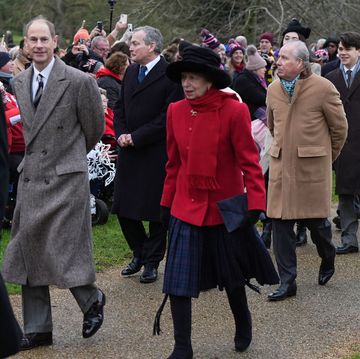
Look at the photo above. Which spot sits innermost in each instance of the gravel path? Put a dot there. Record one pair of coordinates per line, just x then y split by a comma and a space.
320, 322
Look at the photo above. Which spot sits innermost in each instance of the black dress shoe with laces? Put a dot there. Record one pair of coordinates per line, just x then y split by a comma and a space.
133, 267
33, 340
149, 275
283, 292
94, 317
345, 249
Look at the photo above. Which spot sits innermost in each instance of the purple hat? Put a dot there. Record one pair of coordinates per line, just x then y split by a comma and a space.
233, 46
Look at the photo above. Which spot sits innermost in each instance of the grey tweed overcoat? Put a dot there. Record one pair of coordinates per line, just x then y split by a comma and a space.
51, 240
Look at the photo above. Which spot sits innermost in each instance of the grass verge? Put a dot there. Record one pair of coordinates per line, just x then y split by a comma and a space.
110, 248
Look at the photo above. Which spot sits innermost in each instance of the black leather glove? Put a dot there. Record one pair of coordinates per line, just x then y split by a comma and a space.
253, 217
165, 216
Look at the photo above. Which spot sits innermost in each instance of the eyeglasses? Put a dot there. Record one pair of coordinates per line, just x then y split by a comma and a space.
104, 50
34, 40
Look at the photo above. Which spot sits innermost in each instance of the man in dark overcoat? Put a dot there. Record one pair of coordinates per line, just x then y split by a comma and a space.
10, 332
140, 125
51, 243
346, 79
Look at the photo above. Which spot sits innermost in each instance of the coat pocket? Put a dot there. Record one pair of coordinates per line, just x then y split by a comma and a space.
312, 151
275, 167
313, 164
275, 151
66, 168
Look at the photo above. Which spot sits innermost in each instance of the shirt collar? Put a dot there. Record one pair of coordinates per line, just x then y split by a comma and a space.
46, 71
151, 64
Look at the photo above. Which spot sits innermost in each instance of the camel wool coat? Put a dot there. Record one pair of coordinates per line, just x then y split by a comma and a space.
51, 240
309, 130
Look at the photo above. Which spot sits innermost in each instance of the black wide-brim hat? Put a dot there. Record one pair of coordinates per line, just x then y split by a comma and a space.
295, 26
200, 60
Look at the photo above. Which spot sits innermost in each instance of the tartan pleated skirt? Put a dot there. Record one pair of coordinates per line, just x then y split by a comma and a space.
201, 258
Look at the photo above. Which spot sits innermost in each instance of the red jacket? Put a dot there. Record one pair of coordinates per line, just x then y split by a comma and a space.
16, 142
238, 157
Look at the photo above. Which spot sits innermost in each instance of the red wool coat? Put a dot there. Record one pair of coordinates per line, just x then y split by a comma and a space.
237, 158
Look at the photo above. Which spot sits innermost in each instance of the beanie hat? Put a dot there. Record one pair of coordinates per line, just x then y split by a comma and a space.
208, 39
81, 34
254, 60
233, 46
267, 36
295, 26
4, 58
329, 40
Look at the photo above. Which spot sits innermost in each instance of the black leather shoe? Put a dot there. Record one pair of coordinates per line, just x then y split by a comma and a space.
345, 249
327, 270
94, 317
33, 340
301, 235
149, 275
283, 292
133, 267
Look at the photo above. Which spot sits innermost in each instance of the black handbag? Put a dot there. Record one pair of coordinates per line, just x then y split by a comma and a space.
234, 212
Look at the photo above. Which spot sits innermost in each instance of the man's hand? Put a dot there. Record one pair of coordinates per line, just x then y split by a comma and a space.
96, 32
80, 48
125, 140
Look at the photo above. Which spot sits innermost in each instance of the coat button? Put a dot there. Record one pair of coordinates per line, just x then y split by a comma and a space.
190, 129
47, 181
192, 200
187, 148
44, 152
26, 179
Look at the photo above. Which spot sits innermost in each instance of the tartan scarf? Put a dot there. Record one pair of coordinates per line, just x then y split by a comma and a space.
203, 146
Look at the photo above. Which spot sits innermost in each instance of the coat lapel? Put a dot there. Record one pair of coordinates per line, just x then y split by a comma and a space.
23, 95
55, 88
355, 84
156, 72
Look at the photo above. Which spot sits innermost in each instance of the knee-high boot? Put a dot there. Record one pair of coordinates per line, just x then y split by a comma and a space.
242, 317
181, 315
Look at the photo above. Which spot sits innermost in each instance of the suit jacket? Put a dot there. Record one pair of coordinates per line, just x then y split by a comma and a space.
140, 171
237, 158
346, 166
309, 130
51, 233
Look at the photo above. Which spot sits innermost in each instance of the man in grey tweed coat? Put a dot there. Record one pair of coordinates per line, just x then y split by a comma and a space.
51, 240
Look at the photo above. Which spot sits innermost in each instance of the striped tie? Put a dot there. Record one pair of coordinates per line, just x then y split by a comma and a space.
39, 91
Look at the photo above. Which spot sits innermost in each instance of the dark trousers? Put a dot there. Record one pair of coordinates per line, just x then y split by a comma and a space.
10, 332
150, 248
285, 244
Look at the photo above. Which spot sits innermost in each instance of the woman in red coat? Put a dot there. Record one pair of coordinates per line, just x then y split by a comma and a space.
210, 154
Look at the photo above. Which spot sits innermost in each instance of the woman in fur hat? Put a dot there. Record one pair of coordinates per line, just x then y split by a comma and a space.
210, 152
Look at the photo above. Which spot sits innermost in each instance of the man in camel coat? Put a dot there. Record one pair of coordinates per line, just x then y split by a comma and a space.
308, 123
